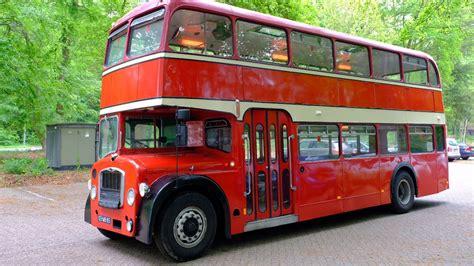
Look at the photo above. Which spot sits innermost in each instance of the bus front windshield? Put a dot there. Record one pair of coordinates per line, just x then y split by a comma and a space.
108, 140
149, 133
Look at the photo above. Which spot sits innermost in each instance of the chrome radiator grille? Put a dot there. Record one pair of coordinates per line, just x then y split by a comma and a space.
111, 189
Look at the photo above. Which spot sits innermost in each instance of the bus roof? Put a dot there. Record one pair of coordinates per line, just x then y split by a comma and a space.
250, 15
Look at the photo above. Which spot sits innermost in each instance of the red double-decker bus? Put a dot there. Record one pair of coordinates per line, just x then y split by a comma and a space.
220, 120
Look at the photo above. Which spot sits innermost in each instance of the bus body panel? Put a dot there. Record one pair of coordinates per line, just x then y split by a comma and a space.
224, 82
425, 167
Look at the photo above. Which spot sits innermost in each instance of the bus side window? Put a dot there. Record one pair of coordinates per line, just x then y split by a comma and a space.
415, 70
358, 140
421, 139
440, 139
352, 59
200, 33
318, 142
218, 135
433, 75
261, 43
386, 65
312, 52
393, 139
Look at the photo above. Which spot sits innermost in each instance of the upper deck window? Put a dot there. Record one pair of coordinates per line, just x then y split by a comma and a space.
116, 46
146, 33
312, 52
261, 43
386, 65
200, 33
352, 59
415, 70
433, 75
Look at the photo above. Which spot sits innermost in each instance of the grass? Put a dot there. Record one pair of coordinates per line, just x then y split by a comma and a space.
18, 146
31, 168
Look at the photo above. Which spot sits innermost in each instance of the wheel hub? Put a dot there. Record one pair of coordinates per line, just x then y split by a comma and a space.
190, 226
404, 192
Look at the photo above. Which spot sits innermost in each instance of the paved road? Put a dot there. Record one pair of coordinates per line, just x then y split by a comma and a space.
44, 225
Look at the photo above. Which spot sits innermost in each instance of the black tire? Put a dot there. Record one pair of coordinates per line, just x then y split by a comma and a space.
450, 160
465, 158
186, 228
403, 193
111, 235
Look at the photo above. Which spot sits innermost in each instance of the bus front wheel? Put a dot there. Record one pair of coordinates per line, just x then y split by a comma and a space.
403, 193
186, 228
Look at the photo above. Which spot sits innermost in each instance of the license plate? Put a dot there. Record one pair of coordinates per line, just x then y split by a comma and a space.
104, 219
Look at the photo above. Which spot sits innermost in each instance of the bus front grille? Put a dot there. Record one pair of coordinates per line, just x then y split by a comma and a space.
111, 189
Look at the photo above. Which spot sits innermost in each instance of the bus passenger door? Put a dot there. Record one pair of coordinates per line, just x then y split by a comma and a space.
267, 173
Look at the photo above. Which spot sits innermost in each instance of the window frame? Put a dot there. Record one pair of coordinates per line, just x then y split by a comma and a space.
400, 62
339, 153
236, 45
143, 23
433, 140
118, 132
369, 61
119, 32
377, 151
427, 84
443, 138
232, 26
431, 63
290, 49
230, 130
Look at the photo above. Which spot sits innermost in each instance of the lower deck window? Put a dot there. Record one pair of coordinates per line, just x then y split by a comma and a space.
393, 139
358, 140
218, 135
421, 139
318, 142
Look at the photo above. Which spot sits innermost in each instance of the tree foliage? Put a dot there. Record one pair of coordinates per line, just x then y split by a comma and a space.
51, 55
441, 28
51, 52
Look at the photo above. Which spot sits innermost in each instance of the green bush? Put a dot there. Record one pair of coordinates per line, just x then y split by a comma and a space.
33, 167
8, 137
17, 166
40, 167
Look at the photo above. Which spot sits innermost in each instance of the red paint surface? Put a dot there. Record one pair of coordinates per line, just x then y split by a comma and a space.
324, 187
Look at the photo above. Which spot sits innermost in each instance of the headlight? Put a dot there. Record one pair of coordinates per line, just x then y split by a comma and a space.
89, 184
131, 197
143, 189
93, 192
130, 225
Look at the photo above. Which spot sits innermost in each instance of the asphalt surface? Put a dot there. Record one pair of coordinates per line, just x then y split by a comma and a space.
44, 225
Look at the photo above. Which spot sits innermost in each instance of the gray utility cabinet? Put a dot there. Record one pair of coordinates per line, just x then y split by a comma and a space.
70, 145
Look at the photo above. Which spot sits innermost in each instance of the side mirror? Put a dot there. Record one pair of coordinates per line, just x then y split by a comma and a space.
181, 135
183, 114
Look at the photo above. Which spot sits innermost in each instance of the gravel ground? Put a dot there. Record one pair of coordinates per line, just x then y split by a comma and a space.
44, 225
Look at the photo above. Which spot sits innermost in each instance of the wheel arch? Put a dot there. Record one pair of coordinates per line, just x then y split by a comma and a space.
168, 188
404, 166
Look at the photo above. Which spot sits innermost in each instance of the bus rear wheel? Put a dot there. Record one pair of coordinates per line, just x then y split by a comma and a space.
403, 193
186, 228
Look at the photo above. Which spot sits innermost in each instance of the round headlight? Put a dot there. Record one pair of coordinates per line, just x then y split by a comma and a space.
89, 184
131, 197
93, 192
143, 189
130, 226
